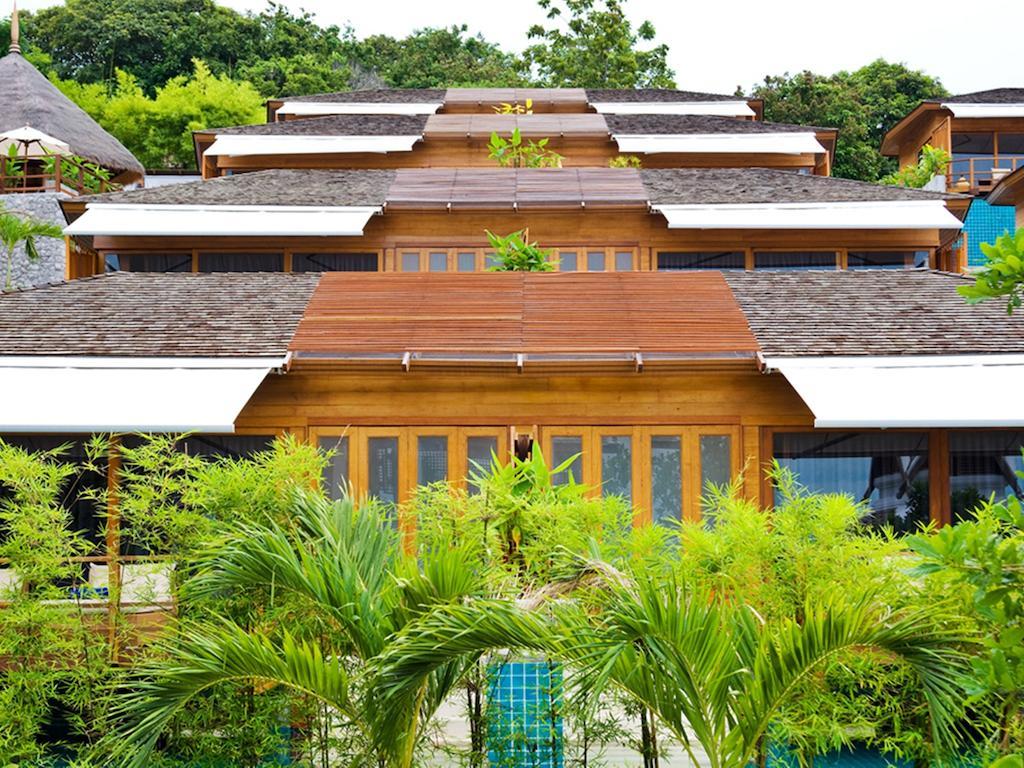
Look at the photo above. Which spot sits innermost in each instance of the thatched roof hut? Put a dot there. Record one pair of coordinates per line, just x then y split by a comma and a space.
27, 98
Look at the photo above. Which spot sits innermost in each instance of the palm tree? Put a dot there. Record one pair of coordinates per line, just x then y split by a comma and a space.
346, 563
714, 673
19, 229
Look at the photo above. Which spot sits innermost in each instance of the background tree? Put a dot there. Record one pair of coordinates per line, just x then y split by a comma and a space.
863, 105
596, 46
435, 58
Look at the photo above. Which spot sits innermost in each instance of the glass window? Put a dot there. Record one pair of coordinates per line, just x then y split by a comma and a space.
567, 261
715, 461
336, 473
438, 261
886, 470
431, 459
334, 262
595, 261
886, 259
562, 449
225, 446
382, 463
666, 479
982, 464
150, 262
617, 466
466, 261
410, 261
701, 260
1011, 144
481, 452
623, 261
491, 261
241, 262
798, 260
972, 153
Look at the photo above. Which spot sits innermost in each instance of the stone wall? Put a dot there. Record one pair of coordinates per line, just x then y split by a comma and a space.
49, 268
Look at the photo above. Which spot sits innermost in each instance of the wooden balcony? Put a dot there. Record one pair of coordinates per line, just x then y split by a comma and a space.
63, 174
980, 174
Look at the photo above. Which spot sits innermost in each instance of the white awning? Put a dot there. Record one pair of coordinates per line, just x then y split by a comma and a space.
242, 145
986, 110
892, 214
717, 143
308, 108
126, 394
221, 220
719, 108
926, 391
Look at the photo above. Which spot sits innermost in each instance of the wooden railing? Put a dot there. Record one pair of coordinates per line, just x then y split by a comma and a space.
64, 174
972, 174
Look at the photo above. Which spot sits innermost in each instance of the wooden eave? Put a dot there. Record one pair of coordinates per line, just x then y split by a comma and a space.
1009, 190
891, 141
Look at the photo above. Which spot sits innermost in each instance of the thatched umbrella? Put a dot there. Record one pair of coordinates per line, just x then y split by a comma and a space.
28, 99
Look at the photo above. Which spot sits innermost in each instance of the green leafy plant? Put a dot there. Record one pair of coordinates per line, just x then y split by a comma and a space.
933, 162
983, 560
512, 253
21, 229
92, 177
514, 152
625, 161
1003, 272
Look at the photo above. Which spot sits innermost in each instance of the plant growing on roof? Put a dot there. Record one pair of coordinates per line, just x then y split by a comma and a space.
933, 162
514, 152
20, 229
625, 161
1003, 273
513, 253
515, 109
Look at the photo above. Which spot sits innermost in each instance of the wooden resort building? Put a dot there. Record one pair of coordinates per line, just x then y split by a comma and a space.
984, 134
726, 304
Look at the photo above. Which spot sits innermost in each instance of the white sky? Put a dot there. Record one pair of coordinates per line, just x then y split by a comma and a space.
716, 45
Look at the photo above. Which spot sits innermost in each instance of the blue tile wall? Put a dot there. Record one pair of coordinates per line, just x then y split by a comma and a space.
847, 758
524, 724
984, 223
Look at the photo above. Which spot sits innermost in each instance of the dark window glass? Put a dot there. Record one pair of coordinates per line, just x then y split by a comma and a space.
595, 261
491, 261
1011, 144
982, 464
617, 466
701, 260
887, 470
623, 261
886, 259
795, 260
715, 461
567, 261
431, 460
241, 262
562, 449
972, 152
481, 452
466, 261
225, 446
666, 479
382, 463
336, 472
150, 262
334, 262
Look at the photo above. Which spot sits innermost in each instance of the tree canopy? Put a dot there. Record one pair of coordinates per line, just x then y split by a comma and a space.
863, 105
596, 46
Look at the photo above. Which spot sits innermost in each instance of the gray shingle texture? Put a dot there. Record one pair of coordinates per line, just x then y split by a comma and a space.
871, 312
334, 125
682, 124
133, 314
